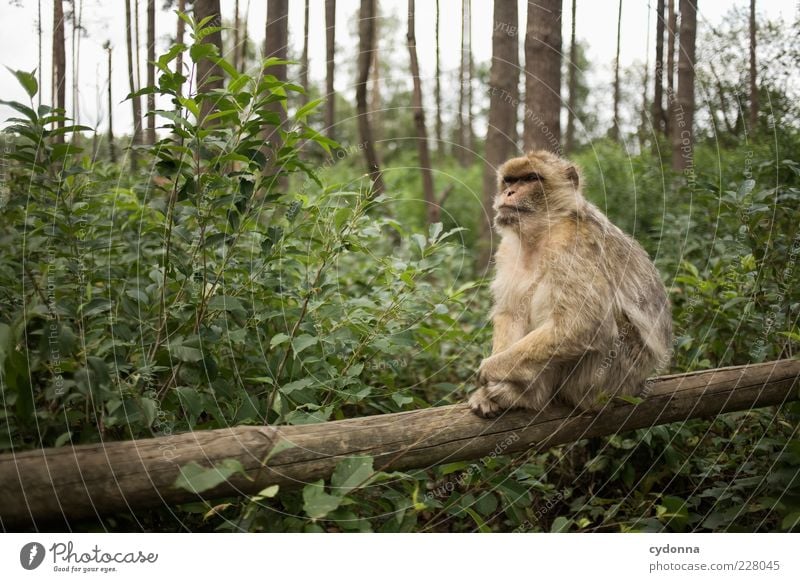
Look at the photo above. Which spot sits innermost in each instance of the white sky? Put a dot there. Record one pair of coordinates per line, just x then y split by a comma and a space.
105, 20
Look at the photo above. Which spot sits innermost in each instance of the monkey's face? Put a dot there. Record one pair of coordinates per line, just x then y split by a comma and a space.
532, 187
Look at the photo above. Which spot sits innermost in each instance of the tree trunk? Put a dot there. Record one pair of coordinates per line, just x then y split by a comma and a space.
366, 32
432, 206
462, 73
236, 36
112, 150
542, 129
209, 75
304, 61
672, 31
573, 85
614, 133
644, 126
276, 45
753, 86
330, 53
439, 137
375, 113
59, 63
179, 35
151, 70
39, 69
658, 78
501, 133
136, 46
135, 101
683, 120
62, 485
470, 135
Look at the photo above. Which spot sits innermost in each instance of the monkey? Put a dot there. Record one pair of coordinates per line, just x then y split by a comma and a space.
580, 314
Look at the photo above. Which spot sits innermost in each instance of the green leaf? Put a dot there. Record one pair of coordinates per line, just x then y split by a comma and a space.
631, 399
225, 303
27, 80
560, 524
96, 306
266, 493
350, 473
316, 502
297, 385
278, 339
303, 112
186, 353
302, 342
197, 479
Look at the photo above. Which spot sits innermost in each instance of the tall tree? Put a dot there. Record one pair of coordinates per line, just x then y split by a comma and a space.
501, 133
366, 32
112, 150
209, 74
463, 81
683, 120
658, 92
179, 32
542, 129
439, 139
614, 133
375, 92
59, 62
135, 101
432, 205
753, 86
151, 70
76, 18
39, 69
330, 54
672, 31
137, 48
470, 137
237, 29
572, 103
304, 60
276, 45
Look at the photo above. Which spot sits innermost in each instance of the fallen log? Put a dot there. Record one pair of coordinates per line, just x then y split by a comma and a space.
87, 481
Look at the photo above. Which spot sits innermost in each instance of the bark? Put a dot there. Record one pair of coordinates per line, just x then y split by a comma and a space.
463, 80
236, 36
432, 206
179, 32
658, 78
542, 129
672, 31
276, 45
501, 134
753, 86
330, 54
439, 137
39, 37
112, 150
55, 487
304, 60
137, 48
135, 101
614, 133
59, 63
366, 32
209, 75
151, 70
375, 83
683, 119
470, 136
573, 85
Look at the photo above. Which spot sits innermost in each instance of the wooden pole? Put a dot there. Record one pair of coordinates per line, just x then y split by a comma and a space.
39, 488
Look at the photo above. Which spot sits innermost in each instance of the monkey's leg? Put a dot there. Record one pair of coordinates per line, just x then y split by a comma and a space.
533, 354
489, 401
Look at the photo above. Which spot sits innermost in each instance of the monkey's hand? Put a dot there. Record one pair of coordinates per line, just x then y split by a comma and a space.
489, 401
505, 367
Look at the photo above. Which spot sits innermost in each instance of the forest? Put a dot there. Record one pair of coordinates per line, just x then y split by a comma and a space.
252, 248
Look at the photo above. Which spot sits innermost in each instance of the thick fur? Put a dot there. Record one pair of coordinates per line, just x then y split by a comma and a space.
580, 313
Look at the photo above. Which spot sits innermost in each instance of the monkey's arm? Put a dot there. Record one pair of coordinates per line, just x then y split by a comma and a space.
507, 330
580, 321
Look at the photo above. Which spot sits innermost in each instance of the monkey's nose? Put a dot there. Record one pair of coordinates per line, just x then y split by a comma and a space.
510, 193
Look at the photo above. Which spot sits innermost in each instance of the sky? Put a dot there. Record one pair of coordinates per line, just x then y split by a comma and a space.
105, 21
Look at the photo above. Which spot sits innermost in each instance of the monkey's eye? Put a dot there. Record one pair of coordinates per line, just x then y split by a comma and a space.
532, 177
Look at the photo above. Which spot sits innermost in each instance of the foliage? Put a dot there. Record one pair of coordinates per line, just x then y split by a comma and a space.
245, 274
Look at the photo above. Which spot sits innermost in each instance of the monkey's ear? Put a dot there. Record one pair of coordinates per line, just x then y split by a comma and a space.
572, 174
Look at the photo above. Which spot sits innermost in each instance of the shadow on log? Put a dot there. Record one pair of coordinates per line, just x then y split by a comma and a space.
57, 486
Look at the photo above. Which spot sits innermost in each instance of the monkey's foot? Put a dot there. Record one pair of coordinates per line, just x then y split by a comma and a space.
490, 401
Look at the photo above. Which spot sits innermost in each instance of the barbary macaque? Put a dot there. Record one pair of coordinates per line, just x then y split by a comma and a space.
580, 313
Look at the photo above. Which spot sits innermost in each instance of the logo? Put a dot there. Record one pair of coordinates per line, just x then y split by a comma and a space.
31, 555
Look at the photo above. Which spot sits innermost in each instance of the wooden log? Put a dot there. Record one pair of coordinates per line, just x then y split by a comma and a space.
52, 486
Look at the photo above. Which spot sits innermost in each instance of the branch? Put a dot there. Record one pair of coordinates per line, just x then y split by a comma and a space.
85, 481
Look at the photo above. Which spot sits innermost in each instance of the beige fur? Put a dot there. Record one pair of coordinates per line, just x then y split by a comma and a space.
580, 313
